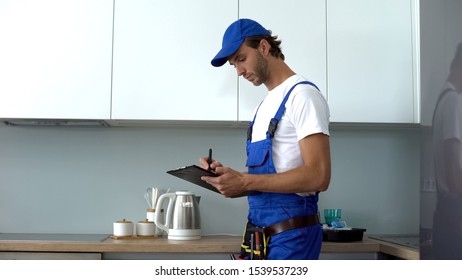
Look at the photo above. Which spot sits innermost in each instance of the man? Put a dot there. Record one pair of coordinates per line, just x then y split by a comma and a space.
288, 154
447, 141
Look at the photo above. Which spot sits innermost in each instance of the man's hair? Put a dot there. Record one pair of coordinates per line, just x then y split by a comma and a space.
275, 44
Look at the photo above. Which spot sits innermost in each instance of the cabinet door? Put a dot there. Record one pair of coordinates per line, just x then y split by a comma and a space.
55, 59
49, 256
370, 61
162, 54
301, 25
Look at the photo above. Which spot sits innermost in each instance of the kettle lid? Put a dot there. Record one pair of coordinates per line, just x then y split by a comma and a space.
184, 193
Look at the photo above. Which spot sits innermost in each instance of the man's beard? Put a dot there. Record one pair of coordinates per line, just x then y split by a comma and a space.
261, 70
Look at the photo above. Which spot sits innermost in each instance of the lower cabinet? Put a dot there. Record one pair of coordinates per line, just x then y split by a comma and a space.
48, 256
350, 256
223, 256
167, 256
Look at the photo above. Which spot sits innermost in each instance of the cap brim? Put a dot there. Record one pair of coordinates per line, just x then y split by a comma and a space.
224, 53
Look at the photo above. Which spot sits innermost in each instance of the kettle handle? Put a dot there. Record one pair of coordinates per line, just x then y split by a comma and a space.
157, 218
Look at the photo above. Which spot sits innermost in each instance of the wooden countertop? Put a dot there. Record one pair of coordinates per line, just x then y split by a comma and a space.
396, 250
208, 244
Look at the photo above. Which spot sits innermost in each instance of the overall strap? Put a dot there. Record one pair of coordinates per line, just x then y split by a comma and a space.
274, 121
250, 128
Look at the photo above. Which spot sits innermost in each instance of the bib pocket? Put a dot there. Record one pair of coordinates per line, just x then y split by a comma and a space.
257, 157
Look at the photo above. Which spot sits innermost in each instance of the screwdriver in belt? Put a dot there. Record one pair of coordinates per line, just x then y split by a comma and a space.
252, 247
258, 244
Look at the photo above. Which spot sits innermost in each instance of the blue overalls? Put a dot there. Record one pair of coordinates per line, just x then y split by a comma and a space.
266, 208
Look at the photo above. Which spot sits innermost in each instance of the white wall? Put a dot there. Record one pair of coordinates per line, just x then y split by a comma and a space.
80, 180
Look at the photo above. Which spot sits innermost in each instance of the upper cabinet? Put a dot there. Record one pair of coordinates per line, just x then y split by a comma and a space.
162, 54
59, 58
360, 53
55, 59
371, 61
301, 26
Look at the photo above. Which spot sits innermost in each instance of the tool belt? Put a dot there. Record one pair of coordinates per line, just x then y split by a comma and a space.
256, 239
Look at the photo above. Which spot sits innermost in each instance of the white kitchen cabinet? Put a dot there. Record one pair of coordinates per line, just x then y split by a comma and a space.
370, 61
55, 59
162, 54
301, 25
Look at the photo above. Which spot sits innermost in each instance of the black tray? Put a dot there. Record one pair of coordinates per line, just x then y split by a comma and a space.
343, 235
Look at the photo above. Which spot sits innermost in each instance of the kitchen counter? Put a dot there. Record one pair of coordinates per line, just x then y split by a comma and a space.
208, 244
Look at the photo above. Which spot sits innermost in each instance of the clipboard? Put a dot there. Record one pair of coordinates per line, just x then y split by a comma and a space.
193, 174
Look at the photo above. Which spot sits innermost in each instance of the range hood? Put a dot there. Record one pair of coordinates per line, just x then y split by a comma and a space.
55, 122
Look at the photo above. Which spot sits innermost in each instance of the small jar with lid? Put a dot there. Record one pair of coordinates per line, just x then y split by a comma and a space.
145, 228
123, 228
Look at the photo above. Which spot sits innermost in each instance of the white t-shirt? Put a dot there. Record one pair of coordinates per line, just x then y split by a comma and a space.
306, 113
447, 124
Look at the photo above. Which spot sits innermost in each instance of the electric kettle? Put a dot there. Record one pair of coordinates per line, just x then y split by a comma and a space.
182, 219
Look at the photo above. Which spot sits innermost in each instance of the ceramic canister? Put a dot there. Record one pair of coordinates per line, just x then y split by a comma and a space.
145, 228
123, 228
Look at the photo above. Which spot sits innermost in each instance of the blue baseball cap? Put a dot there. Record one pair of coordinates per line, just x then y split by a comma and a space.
234, 36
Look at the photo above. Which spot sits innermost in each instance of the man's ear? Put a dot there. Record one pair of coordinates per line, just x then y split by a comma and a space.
264, 47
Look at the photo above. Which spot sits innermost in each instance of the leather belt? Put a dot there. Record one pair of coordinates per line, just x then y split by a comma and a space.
293, 223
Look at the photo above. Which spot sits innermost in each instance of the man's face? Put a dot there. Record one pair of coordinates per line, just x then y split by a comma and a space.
250, 64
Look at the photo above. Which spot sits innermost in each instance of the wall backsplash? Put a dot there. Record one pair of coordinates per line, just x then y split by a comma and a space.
81, 180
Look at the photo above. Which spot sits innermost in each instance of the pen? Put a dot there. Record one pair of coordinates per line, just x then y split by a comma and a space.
209, 160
